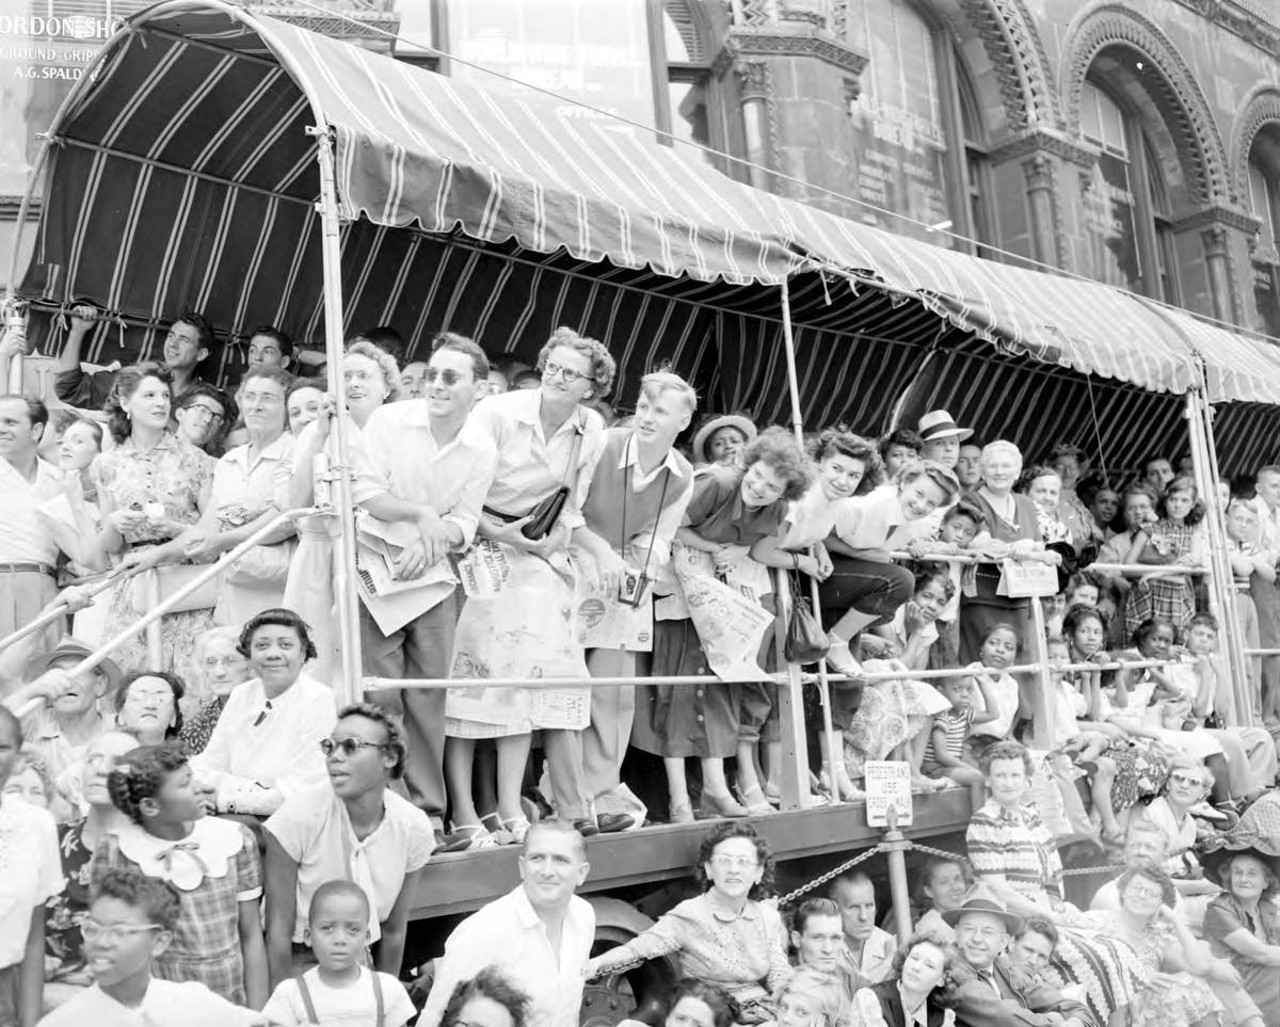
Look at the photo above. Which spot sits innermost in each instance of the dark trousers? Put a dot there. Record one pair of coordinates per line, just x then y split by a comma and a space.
420, 649
865, 585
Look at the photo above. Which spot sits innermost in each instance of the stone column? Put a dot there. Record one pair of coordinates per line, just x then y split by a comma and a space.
1041, 197
1218, 266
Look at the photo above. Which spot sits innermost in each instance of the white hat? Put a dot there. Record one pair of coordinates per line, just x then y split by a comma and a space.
938, 424
700, 440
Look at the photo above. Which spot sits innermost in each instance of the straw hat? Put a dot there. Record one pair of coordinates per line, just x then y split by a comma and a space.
700, 440
938, 424
77, 650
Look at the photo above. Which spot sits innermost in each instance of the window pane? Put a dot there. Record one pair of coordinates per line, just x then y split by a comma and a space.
596, 51
1110, 221
689, 113
897, 121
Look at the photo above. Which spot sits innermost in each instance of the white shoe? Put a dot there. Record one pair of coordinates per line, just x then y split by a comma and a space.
841, 658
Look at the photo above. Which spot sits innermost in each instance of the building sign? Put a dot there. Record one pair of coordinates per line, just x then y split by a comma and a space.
1109, 218
45, 46
596, 51
901, 166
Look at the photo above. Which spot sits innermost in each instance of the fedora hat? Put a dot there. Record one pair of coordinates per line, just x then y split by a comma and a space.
700, 440
980, 900
74, 649
938, 424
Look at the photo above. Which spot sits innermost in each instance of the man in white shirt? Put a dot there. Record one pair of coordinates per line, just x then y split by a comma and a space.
27, 548
537, 936
1266, 594
415, 471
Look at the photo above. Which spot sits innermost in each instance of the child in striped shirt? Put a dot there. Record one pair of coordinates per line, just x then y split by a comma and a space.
944, 754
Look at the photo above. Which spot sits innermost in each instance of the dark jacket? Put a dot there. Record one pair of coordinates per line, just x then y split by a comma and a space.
891, 1005
1024, 1003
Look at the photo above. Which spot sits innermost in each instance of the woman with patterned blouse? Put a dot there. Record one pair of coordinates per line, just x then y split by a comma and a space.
1013, 853
726, 936
151, 488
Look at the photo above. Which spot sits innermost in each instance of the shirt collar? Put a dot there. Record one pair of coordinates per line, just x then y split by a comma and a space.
631, 455
272, 451
918, 1015
724, 915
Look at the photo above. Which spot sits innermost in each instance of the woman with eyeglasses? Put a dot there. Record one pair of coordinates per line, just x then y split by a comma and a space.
250, 487
726, 936
353, 827
266, 745
544, 443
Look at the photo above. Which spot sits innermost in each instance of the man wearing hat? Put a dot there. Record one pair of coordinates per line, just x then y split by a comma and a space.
993, 992
942, 438
61, 729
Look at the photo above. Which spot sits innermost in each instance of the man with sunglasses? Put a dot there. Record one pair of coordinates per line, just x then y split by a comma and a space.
423, 483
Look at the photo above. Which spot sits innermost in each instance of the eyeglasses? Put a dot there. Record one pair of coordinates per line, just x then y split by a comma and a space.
349, 746
1184, 779
92, 930
567, 373
449, 376
206, 411
735, 862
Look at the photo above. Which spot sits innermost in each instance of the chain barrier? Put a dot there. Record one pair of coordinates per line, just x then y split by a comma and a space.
783, 901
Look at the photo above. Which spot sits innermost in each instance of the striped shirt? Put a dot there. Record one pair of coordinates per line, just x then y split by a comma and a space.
955, 723
1014, 844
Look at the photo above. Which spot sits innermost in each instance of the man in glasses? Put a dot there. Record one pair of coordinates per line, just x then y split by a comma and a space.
204, 413
423, 485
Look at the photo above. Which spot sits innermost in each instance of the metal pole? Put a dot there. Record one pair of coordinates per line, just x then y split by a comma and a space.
895, 846
1042, 717
150, 587
792, 706
350, 687
1222, 578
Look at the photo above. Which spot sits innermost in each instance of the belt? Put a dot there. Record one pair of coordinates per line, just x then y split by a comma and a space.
26, 568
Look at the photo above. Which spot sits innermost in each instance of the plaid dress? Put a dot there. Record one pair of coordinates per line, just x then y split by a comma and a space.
1171, 599
214, 869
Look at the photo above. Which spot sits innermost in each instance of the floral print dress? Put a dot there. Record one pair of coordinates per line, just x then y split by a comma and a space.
173, 476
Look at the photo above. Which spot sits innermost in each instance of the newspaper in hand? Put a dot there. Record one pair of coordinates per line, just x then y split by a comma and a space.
485, 569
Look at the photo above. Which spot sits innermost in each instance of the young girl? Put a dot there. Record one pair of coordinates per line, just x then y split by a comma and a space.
1175, 540
899, 448
732, 508
999, 651
909, 637
1140, 765
960, 526
213, 863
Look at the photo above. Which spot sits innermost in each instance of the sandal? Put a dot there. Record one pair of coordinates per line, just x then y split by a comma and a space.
513, 830
754, 800
469, 838
681, 813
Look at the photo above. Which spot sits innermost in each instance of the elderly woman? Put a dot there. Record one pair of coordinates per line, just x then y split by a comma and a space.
250, 487
352, 827
726, 936
266, 746
864, 587
1176, 991
370, 378
152, 488
65, 968
221, 667
1243, 926
545, 443
916, 993
1012, 532
1014, 855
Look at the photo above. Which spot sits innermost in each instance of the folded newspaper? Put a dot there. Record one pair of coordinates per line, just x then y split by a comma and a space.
378, 546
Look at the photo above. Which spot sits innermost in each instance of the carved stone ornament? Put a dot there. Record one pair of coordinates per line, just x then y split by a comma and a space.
754, 80
797, 41
1041, 141
1013, 46
1260, 109
1174, 89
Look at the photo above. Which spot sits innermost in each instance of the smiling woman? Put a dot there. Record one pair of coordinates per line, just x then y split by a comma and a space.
351, 828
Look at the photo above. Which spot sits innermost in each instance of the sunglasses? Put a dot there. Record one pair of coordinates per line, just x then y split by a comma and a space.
349, 746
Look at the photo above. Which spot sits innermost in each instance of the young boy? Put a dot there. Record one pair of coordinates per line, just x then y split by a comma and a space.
944, 755
960, 526
131, 921
339, 990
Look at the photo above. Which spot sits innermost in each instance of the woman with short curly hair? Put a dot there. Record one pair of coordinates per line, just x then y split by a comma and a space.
353, 826
726, 936
544, 443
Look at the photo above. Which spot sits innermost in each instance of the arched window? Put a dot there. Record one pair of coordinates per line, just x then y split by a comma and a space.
1264, 204
1126, 198
918, 133
684, 100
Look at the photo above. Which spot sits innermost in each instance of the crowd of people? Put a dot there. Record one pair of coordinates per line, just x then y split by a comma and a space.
197, 822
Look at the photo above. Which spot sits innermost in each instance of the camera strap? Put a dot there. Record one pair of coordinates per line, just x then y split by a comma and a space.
662, 498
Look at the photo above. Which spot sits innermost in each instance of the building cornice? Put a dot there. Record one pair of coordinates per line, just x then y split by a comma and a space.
802, 40
1247, 20
1075, 151
1224, 216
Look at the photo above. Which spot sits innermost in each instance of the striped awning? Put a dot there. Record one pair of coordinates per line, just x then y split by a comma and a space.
183, 177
